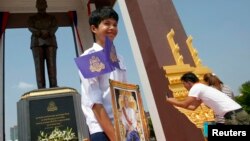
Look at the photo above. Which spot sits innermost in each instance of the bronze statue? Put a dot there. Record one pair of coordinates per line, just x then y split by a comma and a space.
43, 44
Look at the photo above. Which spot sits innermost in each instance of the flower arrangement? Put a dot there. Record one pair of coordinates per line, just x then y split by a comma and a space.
58, 135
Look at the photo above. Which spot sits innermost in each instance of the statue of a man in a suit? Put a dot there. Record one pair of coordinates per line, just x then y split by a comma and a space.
43, 44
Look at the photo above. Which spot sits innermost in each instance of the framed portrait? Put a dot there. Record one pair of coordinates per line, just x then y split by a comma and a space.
129, 117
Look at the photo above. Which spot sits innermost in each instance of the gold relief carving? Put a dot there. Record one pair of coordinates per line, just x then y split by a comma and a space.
174, 73
174, 80
199, 116
200, 70
52, 107
193, 51
180, 94
175, 48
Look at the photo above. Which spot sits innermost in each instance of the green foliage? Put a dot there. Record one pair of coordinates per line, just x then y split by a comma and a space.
244, 98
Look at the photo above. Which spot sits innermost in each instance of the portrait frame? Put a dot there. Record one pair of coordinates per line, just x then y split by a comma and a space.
118, 91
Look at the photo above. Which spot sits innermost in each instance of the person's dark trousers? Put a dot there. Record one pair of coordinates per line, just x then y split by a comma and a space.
100, 136
219, 124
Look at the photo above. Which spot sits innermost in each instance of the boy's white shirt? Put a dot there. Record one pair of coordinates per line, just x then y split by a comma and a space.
97, 90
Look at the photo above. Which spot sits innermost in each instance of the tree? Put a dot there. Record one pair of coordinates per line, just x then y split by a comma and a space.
244, 98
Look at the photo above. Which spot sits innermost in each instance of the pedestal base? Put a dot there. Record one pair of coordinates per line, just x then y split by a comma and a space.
54, 112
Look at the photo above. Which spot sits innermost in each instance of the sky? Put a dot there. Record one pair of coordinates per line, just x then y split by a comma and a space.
220, 31
221, 35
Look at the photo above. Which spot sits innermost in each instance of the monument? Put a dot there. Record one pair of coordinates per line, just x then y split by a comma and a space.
150, 47
52, 113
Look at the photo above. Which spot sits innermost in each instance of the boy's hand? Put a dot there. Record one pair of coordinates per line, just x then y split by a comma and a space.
103, 119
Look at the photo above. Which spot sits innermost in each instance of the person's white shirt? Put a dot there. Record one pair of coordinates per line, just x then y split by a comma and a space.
97, 90
213, 98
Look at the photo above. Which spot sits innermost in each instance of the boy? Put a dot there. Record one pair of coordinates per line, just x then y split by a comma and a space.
96, 98
213, 98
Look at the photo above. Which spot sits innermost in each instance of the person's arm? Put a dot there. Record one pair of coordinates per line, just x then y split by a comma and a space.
190, 103
194, 105
103, 119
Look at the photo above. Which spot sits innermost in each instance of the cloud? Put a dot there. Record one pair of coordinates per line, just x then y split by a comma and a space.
24, 85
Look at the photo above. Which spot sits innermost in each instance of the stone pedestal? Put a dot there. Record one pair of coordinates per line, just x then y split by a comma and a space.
47, 112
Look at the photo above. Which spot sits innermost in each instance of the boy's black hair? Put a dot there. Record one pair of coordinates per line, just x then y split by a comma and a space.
190, 77
98, 15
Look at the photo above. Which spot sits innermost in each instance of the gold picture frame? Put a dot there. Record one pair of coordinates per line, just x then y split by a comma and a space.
125, 99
